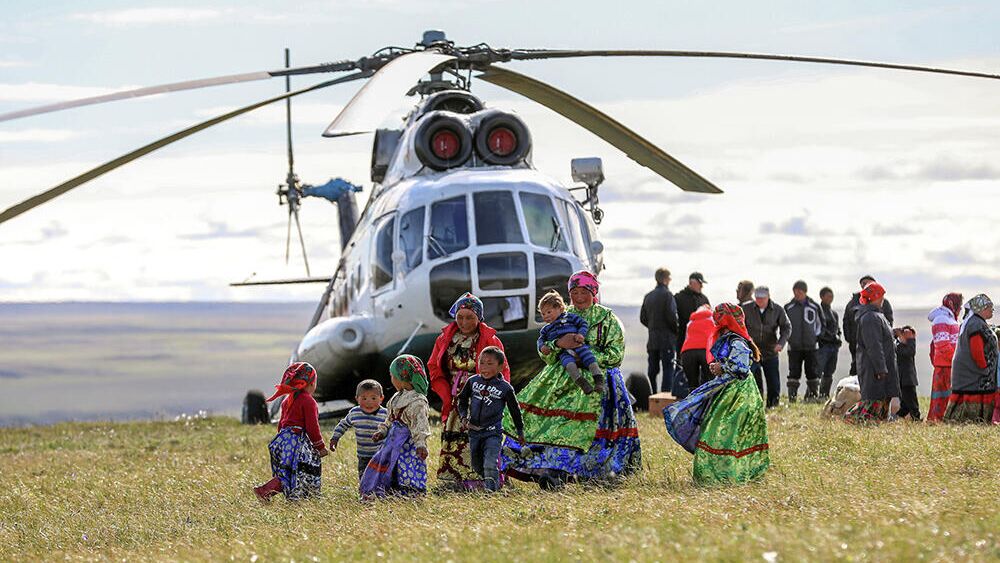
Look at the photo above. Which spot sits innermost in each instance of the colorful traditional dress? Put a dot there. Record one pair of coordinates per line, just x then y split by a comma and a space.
588, 436
397, 469
452, 363
730, 439
974, 369
944, 328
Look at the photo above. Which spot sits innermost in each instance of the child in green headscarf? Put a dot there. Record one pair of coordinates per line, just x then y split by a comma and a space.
399, 466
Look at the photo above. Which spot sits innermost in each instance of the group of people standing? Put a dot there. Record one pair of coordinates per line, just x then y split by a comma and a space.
963, 351
564, 426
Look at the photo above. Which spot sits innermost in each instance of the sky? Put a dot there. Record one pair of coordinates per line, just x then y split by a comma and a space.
829, 172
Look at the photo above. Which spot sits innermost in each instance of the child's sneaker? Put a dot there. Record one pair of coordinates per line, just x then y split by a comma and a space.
598, 374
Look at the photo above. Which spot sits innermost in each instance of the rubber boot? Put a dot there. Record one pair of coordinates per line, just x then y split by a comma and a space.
598, 374
268, 490
824, 387
793, 390
812, 391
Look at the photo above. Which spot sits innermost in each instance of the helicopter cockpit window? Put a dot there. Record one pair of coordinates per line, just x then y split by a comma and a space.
571, 218
496, 218
411, 236
507, 270
449, 228
551, 273
382, 260
448, 282
543, 225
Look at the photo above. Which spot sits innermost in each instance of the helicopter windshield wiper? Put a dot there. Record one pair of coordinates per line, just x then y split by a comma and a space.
556, 235
437, 246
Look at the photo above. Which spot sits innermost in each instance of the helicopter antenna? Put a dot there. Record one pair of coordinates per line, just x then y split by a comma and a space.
291, 191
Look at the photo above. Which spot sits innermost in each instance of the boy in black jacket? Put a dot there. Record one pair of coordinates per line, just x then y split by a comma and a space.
906, 351
480, 406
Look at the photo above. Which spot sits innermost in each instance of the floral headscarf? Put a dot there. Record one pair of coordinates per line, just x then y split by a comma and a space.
953, 301
586, 280
980, 303
297, 377
872, 292
731, 317
411, 370
470, 302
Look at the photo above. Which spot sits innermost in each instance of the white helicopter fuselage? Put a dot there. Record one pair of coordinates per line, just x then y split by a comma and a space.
505, 234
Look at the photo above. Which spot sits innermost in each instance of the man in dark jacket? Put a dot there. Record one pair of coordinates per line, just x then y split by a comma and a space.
688, 301
851, 322
829, 342
659, 315
769, 328
804, 314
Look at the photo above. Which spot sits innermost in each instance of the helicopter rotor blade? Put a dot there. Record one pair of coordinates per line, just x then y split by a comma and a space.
178, 87
302, 241
368, 108
288, 113
539, 54
288, 236
604, 126
89, 175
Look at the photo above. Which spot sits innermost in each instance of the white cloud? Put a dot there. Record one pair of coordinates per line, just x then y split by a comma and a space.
147, 16
13, 64
38, 135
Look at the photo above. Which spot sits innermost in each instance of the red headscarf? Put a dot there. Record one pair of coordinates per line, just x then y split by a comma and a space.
953, 301
297, 377
872, 292
731, 317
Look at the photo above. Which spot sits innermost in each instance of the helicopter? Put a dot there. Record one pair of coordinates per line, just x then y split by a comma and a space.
455, 204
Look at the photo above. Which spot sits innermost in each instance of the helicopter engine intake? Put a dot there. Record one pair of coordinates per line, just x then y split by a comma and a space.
443, 142
502, 139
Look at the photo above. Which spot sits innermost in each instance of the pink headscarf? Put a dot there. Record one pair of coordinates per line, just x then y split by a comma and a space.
586, 280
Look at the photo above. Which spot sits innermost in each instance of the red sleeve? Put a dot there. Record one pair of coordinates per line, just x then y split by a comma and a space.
977, 350
440, 383
310, 420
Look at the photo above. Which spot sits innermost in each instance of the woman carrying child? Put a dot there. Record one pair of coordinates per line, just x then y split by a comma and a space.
974, 367
298, 447
452, 363
722, 422
399, 467
571, 433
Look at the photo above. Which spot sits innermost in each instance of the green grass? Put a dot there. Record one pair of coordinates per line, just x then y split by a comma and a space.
181, 491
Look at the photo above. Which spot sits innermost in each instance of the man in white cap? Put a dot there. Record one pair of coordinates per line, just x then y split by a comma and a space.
769, 328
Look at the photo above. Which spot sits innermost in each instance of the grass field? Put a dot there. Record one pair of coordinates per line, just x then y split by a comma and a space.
181, 491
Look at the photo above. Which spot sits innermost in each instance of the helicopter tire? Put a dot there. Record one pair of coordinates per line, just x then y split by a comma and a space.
255, 408
638, 386
434, 124
516, 126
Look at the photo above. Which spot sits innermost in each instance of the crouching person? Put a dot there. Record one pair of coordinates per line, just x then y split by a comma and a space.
298, 447
480, 405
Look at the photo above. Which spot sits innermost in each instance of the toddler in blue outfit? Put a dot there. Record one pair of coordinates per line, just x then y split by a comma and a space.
560, 323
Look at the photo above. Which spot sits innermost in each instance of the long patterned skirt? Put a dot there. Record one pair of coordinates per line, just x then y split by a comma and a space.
940, 392
971, 407
612, 448
865, 412
295, 462
455, 463
396, 469
733, 446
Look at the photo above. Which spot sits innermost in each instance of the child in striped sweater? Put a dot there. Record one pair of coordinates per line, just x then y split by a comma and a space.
364, 418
